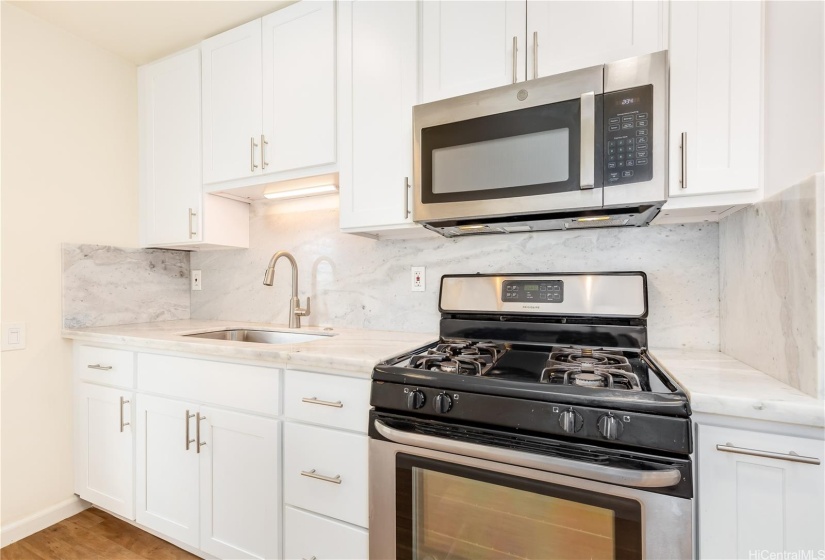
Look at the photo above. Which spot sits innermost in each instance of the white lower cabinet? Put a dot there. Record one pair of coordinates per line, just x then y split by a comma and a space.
757, 495
311, 536
104, 448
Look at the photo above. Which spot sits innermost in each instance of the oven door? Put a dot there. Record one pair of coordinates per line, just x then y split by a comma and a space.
527, 148
428, 504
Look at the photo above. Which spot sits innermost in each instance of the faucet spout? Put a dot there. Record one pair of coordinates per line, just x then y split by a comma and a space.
295, 309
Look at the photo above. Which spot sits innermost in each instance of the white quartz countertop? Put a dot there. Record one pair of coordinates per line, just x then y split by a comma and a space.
719, 384
349, 350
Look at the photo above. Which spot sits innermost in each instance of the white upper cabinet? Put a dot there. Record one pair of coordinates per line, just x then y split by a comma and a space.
715, 97
232, 103
568, 35
471, 46
299, 87
269, 96
377, 88
174, 212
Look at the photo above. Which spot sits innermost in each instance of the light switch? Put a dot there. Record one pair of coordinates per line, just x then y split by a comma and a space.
14, 336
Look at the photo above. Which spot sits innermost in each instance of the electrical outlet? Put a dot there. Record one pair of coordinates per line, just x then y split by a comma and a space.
419, 283
196, 280
14, 336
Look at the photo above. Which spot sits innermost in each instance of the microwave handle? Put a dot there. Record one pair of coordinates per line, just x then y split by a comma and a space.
588, 140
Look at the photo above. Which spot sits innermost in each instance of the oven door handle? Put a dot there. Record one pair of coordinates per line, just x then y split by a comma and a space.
611, 475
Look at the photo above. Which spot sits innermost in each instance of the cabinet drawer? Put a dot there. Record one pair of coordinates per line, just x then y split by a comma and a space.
340, 458
105, 365
312, 536
332, 400
249, 388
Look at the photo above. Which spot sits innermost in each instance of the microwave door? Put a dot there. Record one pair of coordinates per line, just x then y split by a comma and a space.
524, 149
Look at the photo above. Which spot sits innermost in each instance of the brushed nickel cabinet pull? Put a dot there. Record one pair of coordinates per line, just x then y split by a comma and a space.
312, 474
791, 456
313, 400
192, 232
98, 366
310, 558
406, 197
122, 423
252, 145
683, 147
186, 418
264, 144
535, 54
515, 59
198, 431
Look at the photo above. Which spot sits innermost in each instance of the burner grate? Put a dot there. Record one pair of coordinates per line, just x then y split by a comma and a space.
586, 367
463, 357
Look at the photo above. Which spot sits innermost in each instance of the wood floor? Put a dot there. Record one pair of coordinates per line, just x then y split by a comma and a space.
92, 535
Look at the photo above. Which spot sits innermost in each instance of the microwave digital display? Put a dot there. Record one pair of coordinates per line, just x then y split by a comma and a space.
628, 136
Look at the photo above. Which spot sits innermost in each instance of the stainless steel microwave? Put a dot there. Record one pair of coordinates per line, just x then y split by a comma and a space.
586, 148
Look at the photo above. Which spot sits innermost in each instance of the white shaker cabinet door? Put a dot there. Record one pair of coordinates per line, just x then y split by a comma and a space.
167, 472
750, 503
104, 451
239, 482
569, 35
378, 88
470, 46
715, 96
169, 94
232, 104
299, 87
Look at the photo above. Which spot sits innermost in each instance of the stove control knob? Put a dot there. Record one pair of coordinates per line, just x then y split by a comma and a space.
415, 399
442, 403
570, 421
610, 427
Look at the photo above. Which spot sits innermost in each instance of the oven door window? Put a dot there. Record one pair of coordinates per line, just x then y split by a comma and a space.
533, 151
447, 511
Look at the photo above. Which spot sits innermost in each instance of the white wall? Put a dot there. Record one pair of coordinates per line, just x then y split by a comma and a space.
69, 173
794, 93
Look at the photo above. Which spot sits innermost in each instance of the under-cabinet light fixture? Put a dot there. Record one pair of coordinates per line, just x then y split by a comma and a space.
301, 193
593, 219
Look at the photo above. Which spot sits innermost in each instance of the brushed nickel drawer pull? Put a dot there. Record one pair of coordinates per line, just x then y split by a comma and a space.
198, 431
100, 367
187, 416
122, 423
312, 474
313, 400
791, 456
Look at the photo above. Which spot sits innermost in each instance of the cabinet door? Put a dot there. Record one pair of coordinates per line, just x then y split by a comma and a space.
167, 473
569, 35
104, 450
239, 480
232, 104
749, 503
715, 92
378, 80
170, 149
468, 46
299, 86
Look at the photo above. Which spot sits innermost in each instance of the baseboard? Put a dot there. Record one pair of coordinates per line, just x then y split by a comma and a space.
13, 532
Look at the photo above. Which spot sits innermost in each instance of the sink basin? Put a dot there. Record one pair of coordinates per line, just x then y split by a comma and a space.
262, 336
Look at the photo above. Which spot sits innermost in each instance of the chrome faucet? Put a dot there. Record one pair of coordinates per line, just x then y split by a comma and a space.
295, 309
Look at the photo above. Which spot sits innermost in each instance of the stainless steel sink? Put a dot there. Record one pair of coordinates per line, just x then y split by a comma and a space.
261, 336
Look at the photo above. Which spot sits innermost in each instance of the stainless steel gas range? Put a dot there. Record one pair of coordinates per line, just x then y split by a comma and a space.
538, 426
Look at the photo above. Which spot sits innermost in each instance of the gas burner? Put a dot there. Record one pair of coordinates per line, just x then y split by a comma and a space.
463, 357
588, 375
588, 357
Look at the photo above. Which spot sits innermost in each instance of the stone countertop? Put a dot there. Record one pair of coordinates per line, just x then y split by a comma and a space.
348, 351
719, 384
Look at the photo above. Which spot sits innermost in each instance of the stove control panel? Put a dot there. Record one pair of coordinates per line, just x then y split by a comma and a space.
541, 291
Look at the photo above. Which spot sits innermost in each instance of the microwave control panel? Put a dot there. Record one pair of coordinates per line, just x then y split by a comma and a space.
628, 142
541, 291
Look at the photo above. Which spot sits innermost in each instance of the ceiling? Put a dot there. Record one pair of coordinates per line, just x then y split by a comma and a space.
142, 31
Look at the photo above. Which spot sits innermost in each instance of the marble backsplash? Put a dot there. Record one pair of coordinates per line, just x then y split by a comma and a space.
772, 257
105, 285
363, 283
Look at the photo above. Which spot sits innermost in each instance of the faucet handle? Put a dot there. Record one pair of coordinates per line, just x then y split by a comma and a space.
303, 311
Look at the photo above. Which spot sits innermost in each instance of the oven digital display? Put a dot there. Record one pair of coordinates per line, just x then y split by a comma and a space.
546, 291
